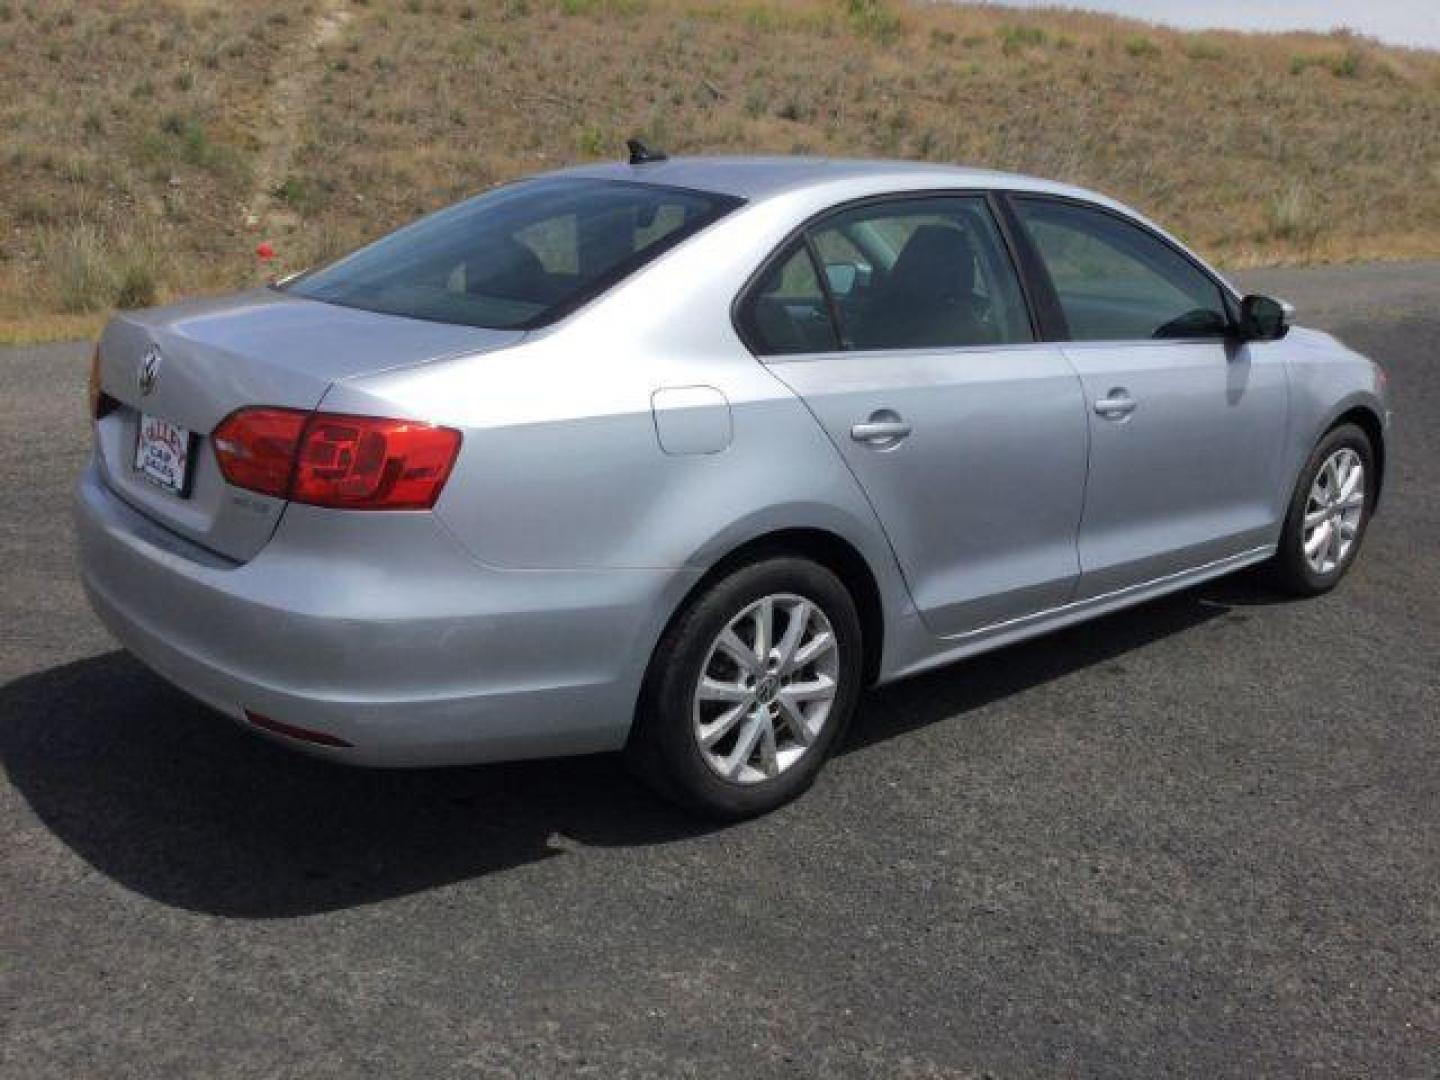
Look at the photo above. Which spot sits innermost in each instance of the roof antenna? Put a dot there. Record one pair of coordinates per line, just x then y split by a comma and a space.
640, 154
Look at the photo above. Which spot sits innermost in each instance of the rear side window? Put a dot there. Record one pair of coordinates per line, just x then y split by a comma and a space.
516, 257
1115, 281
925, 273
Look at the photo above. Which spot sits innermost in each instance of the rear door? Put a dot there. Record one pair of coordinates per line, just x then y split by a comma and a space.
1187, 424
902, 325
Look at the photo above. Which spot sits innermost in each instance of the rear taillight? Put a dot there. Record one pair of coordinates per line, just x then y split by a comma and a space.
365, 462
95, 383
346, 462
256, 448
100, 402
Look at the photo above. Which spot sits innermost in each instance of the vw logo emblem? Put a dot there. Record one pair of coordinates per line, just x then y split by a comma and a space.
149, 369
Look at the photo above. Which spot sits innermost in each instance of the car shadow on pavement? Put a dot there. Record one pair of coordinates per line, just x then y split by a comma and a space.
992, 676
176, 802
168, 799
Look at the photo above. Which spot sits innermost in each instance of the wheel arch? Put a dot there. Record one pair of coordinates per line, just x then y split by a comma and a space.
820, 545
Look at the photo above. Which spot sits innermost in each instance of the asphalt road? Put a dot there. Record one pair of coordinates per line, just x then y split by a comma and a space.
1201, 838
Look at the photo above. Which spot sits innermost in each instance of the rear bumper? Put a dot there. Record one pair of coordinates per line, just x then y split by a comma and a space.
381, 631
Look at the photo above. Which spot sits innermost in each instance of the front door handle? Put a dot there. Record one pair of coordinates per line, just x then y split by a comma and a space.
883, 428
1116, 405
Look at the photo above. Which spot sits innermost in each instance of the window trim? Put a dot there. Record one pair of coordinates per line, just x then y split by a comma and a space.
817, 267
1058, 327
743, 326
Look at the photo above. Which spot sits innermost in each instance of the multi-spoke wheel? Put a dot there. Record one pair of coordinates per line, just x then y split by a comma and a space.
1328, 514
1334, 510
750, 689
766, 688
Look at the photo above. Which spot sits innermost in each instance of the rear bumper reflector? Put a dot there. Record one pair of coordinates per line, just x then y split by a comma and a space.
293, 732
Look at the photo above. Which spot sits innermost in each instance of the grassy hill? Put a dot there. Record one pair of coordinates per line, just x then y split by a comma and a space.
147, 148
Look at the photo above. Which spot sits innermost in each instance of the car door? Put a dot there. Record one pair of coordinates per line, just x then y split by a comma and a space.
1187, 423
902, 325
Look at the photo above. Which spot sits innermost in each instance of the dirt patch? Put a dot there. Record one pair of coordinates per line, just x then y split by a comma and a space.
297, 72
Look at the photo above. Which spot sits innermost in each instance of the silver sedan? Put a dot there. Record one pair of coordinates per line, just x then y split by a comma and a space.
678, 456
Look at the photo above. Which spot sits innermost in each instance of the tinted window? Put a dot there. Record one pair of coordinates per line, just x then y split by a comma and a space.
921, 273
517, 256
787, 312
1116, 281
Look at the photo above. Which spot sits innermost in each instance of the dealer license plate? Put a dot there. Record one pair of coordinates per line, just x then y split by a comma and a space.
162, 454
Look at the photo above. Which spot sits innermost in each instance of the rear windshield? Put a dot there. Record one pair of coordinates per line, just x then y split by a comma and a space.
516, 257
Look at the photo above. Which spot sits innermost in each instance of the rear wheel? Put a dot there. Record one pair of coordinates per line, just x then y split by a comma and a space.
750, 689
1328, 514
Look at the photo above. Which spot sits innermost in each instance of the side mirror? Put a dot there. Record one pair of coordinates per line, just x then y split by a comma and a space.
1263, 318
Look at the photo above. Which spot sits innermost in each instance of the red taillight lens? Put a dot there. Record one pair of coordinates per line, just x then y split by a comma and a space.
365, 462
256, 448
95, 384
346, 462
101, 403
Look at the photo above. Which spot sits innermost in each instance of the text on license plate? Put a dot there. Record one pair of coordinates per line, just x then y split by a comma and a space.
162, 453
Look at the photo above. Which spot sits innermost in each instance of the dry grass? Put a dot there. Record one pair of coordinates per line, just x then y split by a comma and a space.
126, 130
130, 151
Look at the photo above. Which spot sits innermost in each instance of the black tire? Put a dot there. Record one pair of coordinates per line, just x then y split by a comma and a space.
663, 749
1289, 570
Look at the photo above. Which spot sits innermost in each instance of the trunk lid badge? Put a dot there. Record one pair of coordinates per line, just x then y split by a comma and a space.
149, 372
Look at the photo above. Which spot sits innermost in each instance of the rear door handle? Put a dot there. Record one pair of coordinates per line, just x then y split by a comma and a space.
1117, 405
884, 428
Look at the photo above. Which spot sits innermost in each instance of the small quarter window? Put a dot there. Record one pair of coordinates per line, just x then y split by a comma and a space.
1115, 281
787, 313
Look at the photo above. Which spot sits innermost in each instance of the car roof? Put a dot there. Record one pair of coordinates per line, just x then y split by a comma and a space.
758, 178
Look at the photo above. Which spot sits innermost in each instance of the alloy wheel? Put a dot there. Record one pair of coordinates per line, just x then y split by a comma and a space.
1334, 510
766, 688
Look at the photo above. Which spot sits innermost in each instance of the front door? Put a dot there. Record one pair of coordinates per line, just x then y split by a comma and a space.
1187, 424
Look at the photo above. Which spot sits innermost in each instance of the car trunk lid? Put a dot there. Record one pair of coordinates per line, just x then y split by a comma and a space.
191, 365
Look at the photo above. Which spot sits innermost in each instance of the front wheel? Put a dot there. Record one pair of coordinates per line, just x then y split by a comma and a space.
750, 689
1328, 514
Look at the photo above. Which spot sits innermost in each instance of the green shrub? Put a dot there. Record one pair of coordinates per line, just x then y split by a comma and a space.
183, 140
873, 19
91, 272
1289, 215
1346, 65
1141, 47
301, 194
135, 285
1199, 48
591, 141
1015, 38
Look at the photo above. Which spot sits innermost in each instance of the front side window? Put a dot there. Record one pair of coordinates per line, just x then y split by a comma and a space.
518, 256
918, 273
1115, 281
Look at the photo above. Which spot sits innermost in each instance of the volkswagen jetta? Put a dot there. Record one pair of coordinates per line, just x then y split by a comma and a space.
677, 456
